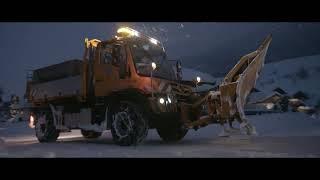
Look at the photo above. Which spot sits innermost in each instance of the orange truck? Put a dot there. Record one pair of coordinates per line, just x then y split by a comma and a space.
127, 85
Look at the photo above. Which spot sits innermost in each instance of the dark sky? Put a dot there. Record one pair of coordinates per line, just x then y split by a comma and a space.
209, 47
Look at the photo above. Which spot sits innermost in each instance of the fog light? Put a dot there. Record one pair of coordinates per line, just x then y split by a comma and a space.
161, 100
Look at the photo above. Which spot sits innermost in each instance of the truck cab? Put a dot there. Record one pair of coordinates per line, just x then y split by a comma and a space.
127, 62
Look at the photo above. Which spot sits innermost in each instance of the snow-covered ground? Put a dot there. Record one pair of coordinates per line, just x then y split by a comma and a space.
279, 135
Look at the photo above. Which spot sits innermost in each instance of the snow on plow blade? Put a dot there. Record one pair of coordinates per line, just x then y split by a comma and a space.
239, 82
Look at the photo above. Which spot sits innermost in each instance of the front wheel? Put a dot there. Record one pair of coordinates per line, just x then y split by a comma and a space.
172, 133
129, 124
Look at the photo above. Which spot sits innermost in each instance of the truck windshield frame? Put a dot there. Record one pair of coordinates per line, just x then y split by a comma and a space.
144, 53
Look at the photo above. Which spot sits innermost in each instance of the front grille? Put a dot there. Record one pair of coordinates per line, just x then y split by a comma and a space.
181, 92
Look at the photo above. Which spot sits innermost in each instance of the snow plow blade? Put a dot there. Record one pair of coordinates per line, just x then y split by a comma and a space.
226, 104
239, 82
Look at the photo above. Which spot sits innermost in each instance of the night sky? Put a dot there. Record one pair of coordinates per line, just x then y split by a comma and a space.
208, 47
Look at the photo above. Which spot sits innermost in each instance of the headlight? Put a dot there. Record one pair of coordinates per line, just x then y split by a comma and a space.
169, 100
161, 101
198, 79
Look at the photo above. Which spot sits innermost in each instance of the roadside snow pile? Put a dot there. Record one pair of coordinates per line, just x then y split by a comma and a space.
293, 75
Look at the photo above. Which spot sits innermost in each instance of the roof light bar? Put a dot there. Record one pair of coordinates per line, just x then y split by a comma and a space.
128, 32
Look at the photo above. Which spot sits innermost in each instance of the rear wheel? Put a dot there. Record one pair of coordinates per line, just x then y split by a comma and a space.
44, 127
129, 124
90, 134
172, 132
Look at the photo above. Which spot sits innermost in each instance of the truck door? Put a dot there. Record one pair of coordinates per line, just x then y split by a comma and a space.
90, 57
121, 59
111, 69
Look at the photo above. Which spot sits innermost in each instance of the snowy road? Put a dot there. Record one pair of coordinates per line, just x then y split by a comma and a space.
280, 135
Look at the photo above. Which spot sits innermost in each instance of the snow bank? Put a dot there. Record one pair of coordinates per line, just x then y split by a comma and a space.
292, 75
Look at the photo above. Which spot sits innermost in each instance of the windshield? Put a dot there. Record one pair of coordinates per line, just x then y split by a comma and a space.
144, 53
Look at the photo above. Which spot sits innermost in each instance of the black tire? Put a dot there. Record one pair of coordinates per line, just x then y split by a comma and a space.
90, 134
129, 124
172, 133
45, 130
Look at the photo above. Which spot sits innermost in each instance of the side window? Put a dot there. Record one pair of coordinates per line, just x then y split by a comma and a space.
116, 55
123, 55
106, 55
122, 59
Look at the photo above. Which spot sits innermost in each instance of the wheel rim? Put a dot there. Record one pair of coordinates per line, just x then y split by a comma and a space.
127, 122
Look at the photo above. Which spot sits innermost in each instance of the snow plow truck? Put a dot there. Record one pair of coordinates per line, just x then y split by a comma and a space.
127, 85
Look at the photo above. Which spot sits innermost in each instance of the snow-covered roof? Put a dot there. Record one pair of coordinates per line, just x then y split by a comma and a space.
263, 97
